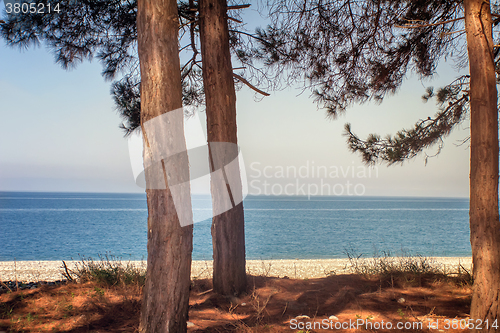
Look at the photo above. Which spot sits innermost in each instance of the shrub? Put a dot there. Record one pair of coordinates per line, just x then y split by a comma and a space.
108, 270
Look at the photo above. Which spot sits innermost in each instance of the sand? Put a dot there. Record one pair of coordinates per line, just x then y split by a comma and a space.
33, 271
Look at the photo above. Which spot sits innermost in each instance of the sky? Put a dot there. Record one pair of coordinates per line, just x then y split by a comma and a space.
61, 134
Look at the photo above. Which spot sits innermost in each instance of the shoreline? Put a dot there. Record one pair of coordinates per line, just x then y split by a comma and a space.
51, 270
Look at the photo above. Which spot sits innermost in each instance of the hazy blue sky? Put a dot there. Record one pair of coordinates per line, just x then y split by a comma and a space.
61, 133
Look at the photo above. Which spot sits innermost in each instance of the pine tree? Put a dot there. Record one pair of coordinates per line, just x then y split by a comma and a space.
352, 52
228, 228
168, 280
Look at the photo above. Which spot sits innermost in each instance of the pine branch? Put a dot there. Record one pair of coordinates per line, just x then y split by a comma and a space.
187, 23
235, 20
250, 35
408, 143
409, 26
238, 6
241, 79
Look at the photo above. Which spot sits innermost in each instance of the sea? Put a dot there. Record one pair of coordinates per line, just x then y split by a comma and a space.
65, 226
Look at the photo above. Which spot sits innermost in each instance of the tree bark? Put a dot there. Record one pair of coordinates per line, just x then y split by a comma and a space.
228, 234
166, 292
484, 217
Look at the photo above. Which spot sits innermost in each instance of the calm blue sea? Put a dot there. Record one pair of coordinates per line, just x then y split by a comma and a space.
62, 226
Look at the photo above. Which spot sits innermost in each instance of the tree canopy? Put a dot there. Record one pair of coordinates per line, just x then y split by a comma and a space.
351, 52
106, 30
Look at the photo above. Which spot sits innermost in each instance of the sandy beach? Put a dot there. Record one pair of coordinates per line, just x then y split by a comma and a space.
31, 271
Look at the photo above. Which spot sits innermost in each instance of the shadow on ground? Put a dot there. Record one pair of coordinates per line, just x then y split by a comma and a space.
270, 305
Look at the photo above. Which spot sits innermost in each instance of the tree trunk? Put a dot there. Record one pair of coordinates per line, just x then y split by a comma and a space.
484, 218
228, 234
166, 293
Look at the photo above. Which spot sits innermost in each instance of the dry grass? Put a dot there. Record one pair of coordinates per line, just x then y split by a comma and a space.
411, 268
107, 298
108, 270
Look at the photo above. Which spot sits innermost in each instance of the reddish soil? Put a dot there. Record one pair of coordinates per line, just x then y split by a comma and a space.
271, 305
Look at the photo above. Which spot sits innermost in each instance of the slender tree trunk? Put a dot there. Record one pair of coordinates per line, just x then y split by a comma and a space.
484, 218
166, 293
228, 234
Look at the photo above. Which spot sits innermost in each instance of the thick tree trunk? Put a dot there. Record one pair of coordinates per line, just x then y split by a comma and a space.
228, 235
484, 218
166, 293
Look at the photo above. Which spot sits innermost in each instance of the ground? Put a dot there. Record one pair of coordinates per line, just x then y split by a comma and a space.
270, 305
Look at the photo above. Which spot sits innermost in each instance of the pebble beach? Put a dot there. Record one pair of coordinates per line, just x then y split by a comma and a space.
29, 271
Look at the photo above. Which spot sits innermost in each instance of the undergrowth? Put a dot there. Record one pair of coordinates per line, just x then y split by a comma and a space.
108, 270
405, 265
